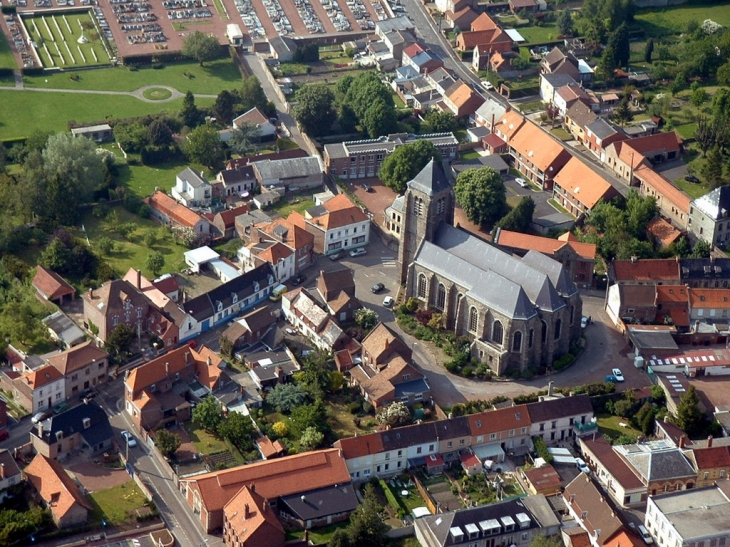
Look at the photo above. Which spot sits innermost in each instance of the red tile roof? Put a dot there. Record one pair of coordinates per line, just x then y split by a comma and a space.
54, 485
50, 284
502, 419
544, 479
663, 231
252, 521
712, 458
272, 478
582, 182
356, 447
545, 245
41, 377
660, 269
483, 22
709, 298
608, 458
175, 211
663, 187
537, 147
165, 365
493, 141
669, 141
167, 285
413, 49
671, 293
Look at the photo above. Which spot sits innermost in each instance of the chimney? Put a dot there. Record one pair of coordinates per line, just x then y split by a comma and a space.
246, 512
681, 442
278, 373
139, 280
167, 369
91, 293
550, 388
633, 259
492, 128
40, 429
2, 470
187, 357
209, 361
709, 441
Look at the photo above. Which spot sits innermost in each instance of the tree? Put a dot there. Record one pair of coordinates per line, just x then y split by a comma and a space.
395, 415
245, 138
313, 109
689, 416
223, 107
723, 74
253, 96
21, 322
119, 341
56, 256
237, 429
159, 133
677, 85
285, 397
648, 50
379, 119
311, 439
565, 22
106, 245
344, 83
439, 121
698, 97
405, 162
226, 346
639, 212
365, 317
304, 416
341, 538
150, 238
203, 145
712, 168
481, 194
190, 114
208, 414
167, 442
705, 134
607, 64
366, 525
201, 47
702, 249
645, 418
623, 114
519, 218
308, 53
155, 262
619, 43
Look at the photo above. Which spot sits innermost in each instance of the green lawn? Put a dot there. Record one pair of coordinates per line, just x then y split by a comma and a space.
691, 189
342, 421
687, 130
558, 207
673, 20
116, 505
206, 444
132, 254
56, 36
53, 112
317, 536
470, 155
561, 133
298, 203
143, 179
608, 425
538, 35
210, 79
6, 56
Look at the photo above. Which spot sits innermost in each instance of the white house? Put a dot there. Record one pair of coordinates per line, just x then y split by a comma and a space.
256, 118
47, 386
280, 256
340, 223
561, 418
192, 189
9, 473
303, 312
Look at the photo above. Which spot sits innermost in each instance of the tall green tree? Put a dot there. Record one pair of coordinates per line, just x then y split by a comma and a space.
639, 212
245, 138
366, 524
622, 114
190, 114
313, 109
379, 119
119, 342
253, 96
482, 195
154, 262
286, 397
619, 43
713, 167
519, 218
701, 249
565, 22
689, 416
238, 429
607, 63
203, 146
648, 50
405, 162
439, 121
201, 47
223, 107
208, 414
167, 442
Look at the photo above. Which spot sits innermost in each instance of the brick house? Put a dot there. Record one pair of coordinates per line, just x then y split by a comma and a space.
577, 258
712, 463
51, 287
82, 366
148, 389
625, 157
462, 100
250, 328
113, 303
248, 519
673, 203
599, 134
537, 155
35, 390
578, 188
169, 212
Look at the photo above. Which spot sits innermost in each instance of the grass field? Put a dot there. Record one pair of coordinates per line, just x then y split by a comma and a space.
691, 189
6, 56
52, 112
298, 204
210, 79
609, 426
206, 444
537, 35
132, 253
673, 20
143, 179
116, 505
56, 37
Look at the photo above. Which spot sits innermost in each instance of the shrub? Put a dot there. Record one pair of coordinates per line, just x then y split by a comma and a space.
542, 449
563, 361
412, 305
354, 408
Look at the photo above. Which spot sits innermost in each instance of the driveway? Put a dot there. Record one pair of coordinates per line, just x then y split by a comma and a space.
673, 170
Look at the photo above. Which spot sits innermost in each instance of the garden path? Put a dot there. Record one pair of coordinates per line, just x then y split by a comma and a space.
137, 93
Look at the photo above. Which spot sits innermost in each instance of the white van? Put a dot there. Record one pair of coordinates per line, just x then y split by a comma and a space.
582, 466
645, 535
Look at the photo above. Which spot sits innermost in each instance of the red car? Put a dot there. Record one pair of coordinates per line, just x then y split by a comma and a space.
4, 434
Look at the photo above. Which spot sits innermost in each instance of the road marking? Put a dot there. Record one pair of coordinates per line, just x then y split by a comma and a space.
389, 261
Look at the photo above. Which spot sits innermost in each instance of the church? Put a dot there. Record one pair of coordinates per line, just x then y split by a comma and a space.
518, 312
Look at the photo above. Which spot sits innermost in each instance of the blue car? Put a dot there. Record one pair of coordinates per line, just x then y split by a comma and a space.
611, 378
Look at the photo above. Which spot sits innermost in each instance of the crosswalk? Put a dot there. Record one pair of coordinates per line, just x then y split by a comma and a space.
388, 261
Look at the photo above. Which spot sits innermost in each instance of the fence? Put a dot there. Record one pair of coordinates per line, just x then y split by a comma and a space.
426, 495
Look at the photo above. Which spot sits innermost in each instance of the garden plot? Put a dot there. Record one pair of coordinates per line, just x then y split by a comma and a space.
67, 40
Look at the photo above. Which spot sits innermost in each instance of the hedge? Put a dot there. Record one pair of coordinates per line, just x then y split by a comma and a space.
392, 500
542, 449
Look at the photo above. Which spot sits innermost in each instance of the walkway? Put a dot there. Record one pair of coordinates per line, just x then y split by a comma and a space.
137, 93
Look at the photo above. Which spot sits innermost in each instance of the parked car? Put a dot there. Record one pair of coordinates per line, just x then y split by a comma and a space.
87, 394
388, 301
298, 280
610, 378
4, 434
645, 535
377, 288
582, 466
61, 407
358, 252
618, 374
487, 85
40, 416
367, 187
691, 178
584, 322
522, 182
128, 438
337, 255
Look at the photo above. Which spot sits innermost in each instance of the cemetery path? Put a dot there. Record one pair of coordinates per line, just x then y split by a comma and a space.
137, 93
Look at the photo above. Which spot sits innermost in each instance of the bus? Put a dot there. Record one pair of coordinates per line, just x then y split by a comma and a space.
277, 292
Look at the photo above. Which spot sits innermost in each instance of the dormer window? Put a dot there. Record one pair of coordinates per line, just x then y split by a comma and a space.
256, 286
220, 306
234, 297
87, 423
59, 435
153, 388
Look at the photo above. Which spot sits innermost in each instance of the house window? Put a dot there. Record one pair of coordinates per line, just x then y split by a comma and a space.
557, 329
473, 319
441, 296
418, 450
421, 286
139, 313
497, 333
492, 436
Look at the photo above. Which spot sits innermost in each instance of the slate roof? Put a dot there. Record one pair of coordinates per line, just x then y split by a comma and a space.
602, 128
656, 464
193, 178
320, 503
442, 527
288, 169
581, 114
491, 108
258, 319
559, 408
715, 204
431, 180
558, 80
72, 421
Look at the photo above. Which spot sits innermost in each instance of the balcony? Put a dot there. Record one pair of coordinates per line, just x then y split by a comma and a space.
585, 429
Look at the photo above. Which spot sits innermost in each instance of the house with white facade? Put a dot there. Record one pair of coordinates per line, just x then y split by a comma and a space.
192, 189
558, 418
691, 518
281, 257
256, 118
338, 224
303, 312
39, 389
